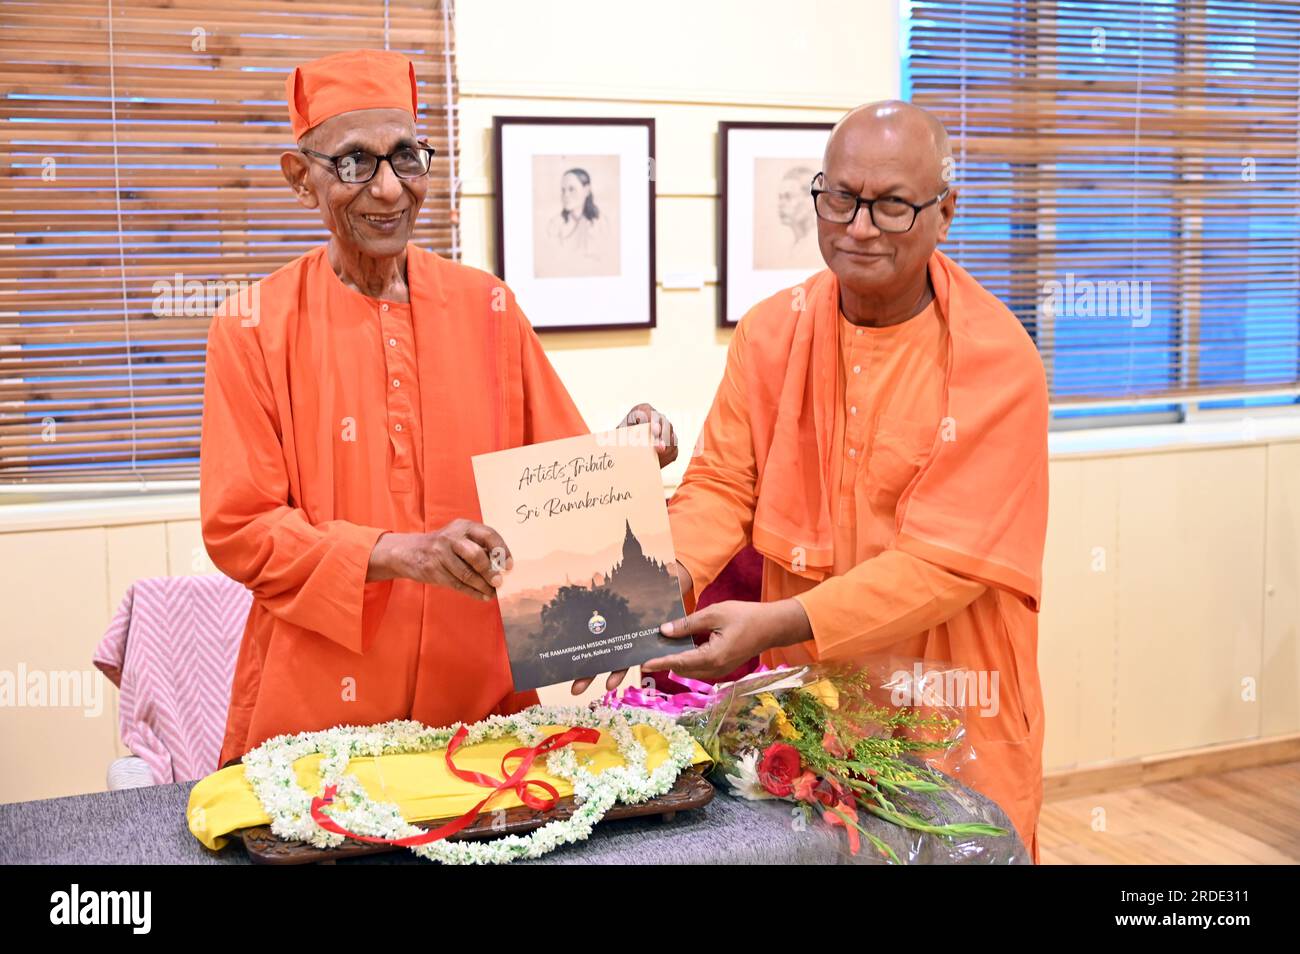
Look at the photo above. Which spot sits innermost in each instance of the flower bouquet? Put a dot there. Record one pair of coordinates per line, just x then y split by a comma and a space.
828, 740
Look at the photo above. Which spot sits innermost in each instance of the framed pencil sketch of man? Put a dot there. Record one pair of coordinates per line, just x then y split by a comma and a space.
768, 231
575, 219
785, 223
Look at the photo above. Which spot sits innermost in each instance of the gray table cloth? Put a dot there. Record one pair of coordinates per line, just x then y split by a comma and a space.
147, 826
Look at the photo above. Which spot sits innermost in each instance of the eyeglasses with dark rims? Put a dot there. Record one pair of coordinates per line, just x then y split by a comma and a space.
889, 213
357, 166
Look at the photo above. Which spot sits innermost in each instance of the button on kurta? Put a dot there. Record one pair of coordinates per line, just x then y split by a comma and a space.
397, 333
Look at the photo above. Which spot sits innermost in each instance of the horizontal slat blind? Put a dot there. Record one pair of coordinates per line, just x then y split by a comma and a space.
1129, 183
140, 144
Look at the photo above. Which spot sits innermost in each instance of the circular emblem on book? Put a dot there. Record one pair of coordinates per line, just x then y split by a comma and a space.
597, 623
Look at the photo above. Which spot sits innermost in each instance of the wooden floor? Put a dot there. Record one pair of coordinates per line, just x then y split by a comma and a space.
1249, 816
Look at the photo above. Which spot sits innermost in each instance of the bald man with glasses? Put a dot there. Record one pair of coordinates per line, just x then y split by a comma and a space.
880, 437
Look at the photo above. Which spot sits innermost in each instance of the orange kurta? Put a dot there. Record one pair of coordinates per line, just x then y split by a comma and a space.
890, 408
329, 418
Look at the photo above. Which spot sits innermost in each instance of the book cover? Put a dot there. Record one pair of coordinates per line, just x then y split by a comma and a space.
594, 573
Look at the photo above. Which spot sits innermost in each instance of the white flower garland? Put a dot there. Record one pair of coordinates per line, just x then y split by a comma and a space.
269, 769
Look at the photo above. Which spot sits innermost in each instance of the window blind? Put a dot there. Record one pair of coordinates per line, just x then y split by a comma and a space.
1129, 187
140, 143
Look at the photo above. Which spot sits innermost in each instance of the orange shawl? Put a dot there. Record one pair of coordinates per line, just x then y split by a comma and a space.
978, 506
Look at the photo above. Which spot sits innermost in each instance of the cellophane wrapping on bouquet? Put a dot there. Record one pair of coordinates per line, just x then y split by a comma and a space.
874, 748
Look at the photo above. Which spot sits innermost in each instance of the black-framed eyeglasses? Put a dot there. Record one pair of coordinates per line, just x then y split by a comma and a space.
888, 213
358, 166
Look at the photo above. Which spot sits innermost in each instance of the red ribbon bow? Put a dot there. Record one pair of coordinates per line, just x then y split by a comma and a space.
513, 781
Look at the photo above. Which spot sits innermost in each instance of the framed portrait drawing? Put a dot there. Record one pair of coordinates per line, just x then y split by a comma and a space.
768, 233
575, 219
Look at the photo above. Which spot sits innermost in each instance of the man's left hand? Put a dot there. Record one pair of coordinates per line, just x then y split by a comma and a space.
740, 631
661, 431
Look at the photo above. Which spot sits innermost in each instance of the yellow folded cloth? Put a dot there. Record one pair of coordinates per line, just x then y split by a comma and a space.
419, 784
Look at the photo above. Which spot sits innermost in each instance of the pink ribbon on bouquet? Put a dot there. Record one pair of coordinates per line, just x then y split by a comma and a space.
701, 695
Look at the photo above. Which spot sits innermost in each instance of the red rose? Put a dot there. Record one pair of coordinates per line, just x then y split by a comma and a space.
778, 769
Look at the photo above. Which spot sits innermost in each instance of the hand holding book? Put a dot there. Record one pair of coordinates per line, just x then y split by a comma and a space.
663, 437
738, 631
465, 556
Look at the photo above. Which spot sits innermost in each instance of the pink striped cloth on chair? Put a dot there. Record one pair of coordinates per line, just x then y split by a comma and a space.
170, 650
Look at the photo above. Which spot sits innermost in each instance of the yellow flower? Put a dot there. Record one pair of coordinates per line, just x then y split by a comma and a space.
771, 710
824, 692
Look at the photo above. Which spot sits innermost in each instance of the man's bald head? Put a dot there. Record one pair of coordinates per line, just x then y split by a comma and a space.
897, 152
914, 130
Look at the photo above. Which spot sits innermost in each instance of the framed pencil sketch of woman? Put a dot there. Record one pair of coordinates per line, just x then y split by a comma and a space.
575, 216
575, 219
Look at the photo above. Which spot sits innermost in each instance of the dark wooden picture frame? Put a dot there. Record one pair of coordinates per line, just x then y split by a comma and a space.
499, 123
724, 131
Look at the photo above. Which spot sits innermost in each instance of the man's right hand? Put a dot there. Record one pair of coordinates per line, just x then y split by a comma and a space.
615, 679
465, 556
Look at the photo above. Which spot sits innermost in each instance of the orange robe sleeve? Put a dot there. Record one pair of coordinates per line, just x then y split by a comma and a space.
712, 513
310, 575
881, 601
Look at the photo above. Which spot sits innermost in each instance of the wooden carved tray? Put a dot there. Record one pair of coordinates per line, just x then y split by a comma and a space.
691, 791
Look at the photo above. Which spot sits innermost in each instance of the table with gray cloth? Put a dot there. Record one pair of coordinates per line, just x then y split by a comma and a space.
147, 826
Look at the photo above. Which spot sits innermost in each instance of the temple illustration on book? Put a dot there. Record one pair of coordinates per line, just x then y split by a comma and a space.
636, 592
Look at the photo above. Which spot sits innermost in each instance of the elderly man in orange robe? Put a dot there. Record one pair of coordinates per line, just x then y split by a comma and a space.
345, 395
880, 437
